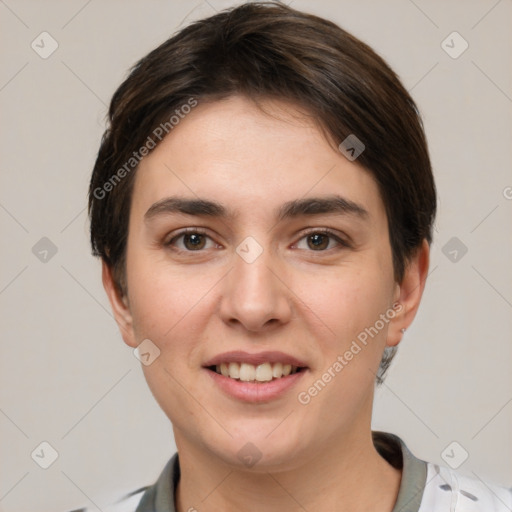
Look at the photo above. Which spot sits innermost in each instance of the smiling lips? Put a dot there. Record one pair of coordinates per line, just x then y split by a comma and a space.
247, 372
261, 367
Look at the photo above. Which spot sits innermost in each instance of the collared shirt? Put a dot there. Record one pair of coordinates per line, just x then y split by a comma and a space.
424, 487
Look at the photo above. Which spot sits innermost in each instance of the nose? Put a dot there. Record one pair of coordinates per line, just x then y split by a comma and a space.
255, 296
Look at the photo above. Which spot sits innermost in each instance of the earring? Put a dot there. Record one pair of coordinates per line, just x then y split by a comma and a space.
402, 330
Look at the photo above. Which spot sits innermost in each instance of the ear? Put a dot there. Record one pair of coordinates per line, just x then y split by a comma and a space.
119, 304
408, 294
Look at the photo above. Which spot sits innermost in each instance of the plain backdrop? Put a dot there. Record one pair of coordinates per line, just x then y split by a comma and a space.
68, 379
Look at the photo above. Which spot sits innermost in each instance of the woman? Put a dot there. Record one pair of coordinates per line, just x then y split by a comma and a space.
263, 203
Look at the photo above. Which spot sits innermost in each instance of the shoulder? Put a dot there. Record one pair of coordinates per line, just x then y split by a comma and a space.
429, 487
162, 491
446, 489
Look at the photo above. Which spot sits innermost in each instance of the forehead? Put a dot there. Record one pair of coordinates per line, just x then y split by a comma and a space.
251, 160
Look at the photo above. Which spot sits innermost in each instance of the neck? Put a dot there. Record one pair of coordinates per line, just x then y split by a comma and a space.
347, 475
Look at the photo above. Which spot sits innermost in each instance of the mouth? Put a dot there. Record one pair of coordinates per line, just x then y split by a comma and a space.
247, 372
257, 378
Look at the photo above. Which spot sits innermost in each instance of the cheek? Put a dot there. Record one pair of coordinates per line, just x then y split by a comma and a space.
351, 307
171, 308
346, 301
166, 303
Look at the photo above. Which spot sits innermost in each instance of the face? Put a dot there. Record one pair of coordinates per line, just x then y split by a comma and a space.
258, 277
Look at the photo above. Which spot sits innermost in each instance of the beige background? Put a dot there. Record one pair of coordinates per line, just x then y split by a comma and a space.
66, 376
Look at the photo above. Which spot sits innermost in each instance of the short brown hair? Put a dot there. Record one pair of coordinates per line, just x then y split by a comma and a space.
268, 50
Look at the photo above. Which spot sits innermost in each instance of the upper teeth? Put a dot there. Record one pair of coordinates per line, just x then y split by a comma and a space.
248, 372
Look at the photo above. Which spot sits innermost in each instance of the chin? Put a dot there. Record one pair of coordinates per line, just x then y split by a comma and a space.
254, 447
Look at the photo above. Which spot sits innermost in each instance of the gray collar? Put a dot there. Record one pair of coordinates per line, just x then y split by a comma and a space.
414, 470
160, 496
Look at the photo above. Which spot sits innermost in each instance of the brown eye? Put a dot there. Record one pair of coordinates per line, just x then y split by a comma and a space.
321, 241
194, 241
318, 241
190, 241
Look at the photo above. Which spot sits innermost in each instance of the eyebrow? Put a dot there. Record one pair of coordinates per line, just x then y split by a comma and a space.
332, 204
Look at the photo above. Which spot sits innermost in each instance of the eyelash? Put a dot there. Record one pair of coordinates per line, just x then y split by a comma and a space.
312, 231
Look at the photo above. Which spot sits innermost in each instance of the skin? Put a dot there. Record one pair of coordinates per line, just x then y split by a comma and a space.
304, 301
